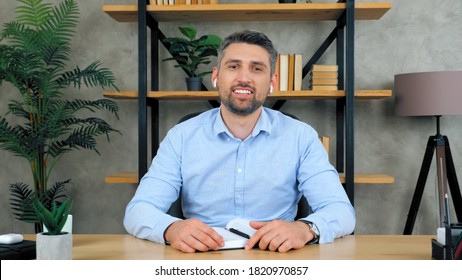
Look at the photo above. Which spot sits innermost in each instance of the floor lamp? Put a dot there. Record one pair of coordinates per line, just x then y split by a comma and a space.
432, 94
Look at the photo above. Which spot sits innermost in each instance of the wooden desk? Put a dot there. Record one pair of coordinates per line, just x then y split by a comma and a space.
354, 247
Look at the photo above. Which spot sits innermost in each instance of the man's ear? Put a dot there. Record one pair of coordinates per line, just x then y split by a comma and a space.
214, 77
273, 83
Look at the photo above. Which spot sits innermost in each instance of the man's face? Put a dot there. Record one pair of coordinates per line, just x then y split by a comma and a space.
244, 78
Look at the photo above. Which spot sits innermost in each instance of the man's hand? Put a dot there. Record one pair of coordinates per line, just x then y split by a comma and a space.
192, 235
279, 235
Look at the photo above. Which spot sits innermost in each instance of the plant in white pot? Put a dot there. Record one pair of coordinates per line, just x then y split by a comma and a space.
42, 122
190, 52
54, 244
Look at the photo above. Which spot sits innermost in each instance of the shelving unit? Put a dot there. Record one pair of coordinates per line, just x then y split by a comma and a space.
148, 16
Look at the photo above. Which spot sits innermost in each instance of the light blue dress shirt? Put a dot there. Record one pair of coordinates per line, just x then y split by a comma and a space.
222, 177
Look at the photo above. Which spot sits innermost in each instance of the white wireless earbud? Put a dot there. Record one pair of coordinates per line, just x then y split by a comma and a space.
271, 89
215, 83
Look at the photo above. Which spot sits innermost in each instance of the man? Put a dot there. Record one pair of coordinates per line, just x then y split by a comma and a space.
241, 160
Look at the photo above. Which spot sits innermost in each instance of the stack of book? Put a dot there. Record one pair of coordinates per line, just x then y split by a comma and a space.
183, 2
289, 68
324, 77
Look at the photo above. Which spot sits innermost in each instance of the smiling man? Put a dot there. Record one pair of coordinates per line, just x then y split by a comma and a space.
241, 160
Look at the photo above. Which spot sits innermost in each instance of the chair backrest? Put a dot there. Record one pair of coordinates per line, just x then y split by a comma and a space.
303, 209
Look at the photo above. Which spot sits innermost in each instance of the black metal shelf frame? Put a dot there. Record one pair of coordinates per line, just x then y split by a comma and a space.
343, 35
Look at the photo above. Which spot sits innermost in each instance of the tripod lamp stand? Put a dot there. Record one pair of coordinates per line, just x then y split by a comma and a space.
432, 94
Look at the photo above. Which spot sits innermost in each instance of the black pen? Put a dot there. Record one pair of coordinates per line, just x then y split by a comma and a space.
238, 232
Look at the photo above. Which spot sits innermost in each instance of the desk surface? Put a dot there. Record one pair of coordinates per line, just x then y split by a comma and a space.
353, 247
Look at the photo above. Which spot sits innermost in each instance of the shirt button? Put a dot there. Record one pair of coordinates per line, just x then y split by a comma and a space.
239, 170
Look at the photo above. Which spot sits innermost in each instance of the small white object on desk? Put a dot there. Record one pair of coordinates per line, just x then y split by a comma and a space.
441, 236
11, 238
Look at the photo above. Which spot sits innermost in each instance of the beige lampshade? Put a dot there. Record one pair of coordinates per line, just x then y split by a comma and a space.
428, 93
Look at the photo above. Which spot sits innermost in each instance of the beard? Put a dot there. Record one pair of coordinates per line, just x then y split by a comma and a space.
231, 105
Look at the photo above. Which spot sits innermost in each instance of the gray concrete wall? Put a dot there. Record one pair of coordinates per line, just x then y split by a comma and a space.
413, 36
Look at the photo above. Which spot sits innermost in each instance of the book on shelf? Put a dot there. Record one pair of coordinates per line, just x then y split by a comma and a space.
277, 70
324, 82
324, 87
236, 233
298, 72
283, 72
289, 68
290, 84
324, 75
324, 67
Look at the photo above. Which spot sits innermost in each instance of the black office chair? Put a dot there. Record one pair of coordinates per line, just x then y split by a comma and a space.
175, 210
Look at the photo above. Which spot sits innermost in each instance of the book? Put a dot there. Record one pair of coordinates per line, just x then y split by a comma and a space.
24, 250
283, 72
320, 82
236, 233
290, 85
324, 75
324, 67
277, 71
324, 88
298, 72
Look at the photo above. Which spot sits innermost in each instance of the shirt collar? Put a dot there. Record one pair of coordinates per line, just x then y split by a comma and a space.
263, 124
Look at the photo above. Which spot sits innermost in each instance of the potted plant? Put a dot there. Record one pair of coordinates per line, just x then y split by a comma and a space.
42, 124
54, 244
191, 52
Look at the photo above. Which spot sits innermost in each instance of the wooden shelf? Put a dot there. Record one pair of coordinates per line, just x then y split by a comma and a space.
285, 95
360, 178
248, 12
372, 178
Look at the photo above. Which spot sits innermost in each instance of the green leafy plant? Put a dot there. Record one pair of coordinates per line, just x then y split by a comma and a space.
55, 218
43, 124
190, 52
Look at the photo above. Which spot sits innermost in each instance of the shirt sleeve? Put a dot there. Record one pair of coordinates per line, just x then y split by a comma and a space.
319, 182
145, 215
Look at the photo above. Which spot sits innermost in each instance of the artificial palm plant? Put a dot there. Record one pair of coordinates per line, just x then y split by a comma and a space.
43, 124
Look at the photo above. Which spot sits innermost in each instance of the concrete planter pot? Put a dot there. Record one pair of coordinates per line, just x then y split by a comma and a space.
54, 247
194, 83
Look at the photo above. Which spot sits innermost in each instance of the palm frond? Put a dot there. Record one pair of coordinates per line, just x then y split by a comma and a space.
99, 104
33, 12
21, 194
60, 27
15, 139
91, 76
55, 193
22, 197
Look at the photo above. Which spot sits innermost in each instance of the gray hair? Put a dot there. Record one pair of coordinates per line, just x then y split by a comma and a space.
253, 38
